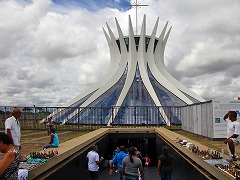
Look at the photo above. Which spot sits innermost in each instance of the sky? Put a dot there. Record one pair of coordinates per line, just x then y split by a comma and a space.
51, 51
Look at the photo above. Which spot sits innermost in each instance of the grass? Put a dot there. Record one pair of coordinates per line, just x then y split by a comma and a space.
42, 137
201, 140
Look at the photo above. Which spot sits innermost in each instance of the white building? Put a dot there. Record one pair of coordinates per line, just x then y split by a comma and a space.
137, 87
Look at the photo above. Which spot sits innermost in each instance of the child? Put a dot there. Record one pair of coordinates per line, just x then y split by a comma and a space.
147, 161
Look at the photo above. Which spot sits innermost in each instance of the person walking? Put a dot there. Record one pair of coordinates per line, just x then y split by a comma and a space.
93, 163
165, 164
131, 166
117, 159
233, 132
12, 127
117, 150
138, 154
147, 161
10, 162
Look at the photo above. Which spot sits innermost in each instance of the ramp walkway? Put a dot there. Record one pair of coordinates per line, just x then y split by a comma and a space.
72, 153
150, 173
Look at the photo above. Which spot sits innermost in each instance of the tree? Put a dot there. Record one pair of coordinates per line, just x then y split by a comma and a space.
26, 109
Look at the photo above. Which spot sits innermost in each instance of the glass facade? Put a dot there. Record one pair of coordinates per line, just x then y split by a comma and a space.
100, 109
66, 112
126, 40
166, 97
138, 105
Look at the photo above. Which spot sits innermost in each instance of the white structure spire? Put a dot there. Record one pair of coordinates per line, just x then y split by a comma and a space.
137, 77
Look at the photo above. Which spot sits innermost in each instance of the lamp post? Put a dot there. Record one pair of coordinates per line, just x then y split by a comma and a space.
34, 113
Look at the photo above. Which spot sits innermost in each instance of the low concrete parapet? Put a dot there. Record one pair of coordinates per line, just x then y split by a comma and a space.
73, 148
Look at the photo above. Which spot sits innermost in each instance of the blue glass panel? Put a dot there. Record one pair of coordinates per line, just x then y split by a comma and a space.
137, 38
147, 40
101, 108
173, 114
138, 94
126, 42
166, 97
155, 44
137, 42
138, 106
64, 113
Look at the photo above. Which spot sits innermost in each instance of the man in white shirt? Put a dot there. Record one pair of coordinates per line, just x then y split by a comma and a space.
12, 127
233, 132
93, 163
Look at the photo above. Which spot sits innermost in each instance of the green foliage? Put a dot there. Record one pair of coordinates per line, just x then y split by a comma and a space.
26, 109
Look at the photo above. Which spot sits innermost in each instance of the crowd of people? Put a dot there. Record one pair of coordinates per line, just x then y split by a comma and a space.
129, 162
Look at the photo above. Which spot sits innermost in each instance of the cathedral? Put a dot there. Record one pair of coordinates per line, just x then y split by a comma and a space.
136, 89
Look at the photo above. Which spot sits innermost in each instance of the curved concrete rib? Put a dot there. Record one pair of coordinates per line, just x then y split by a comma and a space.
111, 70
159, 60
142, 57
132, 63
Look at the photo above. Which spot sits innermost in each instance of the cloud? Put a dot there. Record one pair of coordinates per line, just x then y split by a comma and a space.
51, 51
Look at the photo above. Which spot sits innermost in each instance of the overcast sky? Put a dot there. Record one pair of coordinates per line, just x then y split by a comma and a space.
50, 51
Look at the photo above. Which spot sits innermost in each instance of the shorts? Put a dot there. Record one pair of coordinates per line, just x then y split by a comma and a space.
235, 141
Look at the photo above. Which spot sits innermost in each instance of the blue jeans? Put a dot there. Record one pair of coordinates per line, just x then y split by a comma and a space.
120, 173
48, 146
166, 176
131, 178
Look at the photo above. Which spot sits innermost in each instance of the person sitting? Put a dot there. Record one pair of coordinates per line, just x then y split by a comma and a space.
233, 132
10, 162
54, 142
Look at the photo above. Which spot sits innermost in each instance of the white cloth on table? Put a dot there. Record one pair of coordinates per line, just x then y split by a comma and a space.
22, 174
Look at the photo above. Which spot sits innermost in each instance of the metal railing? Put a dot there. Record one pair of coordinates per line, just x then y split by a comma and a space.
93, 117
